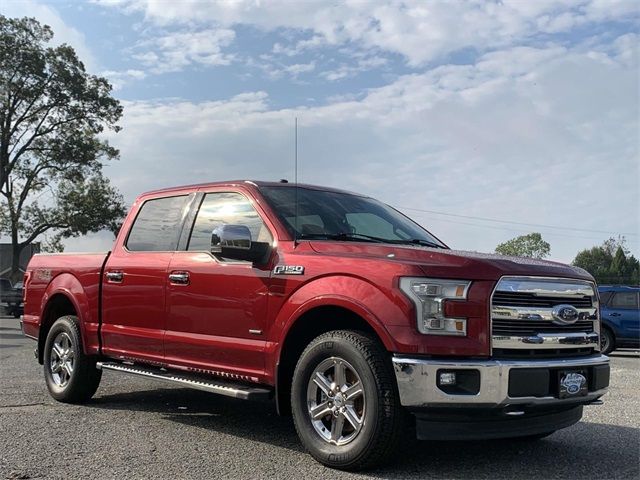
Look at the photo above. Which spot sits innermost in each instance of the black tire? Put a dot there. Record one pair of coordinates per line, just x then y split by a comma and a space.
382, 418
83, 381
607, 341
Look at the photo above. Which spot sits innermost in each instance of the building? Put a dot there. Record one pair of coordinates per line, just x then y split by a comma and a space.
6, 256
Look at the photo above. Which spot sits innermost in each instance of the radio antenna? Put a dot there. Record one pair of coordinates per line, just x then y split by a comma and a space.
295, 234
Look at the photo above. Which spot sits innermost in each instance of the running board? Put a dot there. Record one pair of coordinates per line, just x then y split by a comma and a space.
221, 387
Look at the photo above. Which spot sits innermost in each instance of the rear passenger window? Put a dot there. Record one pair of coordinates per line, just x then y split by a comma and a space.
157, 226
625, 300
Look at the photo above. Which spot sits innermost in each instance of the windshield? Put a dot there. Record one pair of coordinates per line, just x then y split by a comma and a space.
343, 216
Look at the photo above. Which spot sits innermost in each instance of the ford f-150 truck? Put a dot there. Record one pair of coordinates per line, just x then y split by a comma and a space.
353, 318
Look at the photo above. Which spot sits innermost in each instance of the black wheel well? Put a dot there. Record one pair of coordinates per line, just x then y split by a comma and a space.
310, 325
57, 306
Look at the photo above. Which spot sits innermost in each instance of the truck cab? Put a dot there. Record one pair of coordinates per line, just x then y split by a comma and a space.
350, 316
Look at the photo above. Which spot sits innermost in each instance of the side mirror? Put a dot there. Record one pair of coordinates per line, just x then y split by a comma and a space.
234, 241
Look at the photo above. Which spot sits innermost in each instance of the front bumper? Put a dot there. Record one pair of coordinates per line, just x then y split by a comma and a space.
502, 383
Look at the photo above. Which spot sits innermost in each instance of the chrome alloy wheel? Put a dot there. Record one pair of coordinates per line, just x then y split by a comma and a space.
62, 359
336, 401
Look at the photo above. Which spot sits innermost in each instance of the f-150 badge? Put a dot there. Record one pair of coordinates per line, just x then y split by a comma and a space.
288, 270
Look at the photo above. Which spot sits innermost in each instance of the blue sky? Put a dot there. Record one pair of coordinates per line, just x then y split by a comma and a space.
519, 111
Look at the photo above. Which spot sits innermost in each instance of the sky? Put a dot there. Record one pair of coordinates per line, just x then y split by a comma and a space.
481, 120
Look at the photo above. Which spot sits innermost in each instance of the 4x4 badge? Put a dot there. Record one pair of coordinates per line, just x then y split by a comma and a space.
288, 270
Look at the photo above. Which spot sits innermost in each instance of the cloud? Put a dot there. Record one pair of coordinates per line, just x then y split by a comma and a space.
419, 31
120, 78
465, 139
174, 51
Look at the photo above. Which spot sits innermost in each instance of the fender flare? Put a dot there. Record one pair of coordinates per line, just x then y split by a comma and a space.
328, 291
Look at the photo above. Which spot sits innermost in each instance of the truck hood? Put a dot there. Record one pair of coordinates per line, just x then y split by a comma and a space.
437, 262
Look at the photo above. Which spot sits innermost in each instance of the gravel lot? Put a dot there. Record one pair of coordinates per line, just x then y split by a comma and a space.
138, 428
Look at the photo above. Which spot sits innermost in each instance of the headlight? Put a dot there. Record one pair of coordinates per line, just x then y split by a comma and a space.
429, 295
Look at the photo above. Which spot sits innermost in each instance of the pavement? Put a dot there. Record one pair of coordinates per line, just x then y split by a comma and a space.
139, 428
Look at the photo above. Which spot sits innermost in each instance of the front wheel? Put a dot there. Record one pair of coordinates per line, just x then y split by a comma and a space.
607, 342
344, 401
71, 376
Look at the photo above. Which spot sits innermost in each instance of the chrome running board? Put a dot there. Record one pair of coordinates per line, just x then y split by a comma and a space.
199, 382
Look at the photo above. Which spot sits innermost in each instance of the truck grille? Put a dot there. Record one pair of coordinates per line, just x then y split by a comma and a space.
524, 299
533, 327
544, 317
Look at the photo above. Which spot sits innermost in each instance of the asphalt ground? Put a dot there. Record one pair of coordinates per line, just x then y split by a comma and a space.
139, 428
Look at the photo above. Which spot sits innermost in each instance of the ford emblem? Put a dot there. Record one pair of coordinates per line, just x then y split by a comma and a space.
565, 314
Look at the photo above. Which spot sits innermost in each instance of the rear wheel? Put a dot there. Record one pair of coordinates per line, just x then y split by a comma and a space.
71, 376
607, 341
344, 401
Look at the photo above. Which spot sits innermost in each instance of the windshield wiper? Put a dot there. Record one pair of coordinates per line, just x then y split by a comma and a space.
418, 241
348, 236
342, 236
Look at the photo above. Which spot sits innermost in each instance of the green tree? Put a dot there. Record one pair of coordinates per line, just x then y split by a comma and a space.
531, 245
610, 262
52, 114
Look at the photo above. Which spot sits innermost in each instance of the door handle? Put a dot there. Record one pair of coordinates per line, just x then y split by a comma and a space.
615, 314
115, 277
179, 278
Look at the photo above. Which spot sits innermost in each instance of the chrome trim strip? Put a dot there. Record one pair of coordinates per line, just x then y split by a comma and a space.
417, 381
548, 340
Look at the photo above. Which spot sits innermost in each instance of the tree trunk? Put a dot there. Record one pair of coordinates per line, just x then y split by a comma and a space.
16, 249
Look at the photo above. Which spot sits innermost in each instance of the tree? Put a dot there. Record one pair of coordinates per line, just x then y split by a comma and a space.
531, 245
610, 262
52, 115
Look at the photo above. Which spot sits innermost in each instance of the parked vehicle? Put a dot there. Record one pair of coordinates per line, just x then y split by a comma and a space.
620, 312
351, 316
11, 297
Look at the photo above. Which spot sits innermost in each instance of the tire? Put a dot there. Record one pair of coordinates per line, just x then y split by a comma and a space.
607, 341
357, 430
71, 376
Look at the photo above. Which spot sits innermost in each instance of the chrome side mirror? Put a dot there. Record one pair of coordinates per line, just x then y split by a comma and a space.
225, 239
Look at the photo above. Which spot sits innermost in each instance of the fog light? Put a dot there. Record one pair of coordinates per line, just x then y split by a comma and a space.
448, 378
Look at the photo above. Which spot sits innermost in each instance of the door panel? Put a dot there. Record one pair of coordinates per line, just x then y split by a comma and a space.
210, 320
624, 313
133, 318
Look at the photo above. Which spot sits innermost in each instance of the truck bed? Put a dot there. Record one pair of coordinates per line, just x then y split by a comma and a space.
76, 274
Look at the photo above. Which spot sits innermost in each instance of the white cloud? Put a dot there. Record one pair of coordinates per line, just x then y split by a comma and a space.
524, 134
119, 79
420, 31
173, 51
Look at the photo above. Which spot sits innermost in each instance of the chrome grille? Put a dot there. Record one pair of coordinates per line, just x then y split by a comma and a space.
525, 299
533, 327
526, 316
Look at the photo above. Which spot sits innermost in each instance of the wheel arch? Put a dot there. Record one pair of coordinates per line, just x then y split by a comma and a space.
319, 316
64, 296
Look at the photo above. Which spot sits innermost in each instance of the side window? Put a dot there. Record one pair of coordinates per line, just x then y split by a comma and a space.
625, 300
156, 228
605, 297
226, 208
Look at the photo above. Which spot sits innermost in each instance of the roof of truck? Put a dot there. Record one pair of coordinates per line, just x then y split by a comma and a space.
256, 183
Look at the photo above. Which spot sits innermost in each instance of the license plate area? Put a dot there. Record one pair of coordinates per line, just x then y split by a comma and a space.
572, 383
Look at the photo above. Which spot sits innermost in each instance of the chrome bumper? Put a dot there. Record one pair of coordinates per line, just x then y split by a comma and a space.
418, 387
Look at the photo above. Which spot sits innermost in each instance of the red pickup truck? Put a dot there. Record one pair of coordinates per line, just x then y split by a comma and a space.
353, 318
